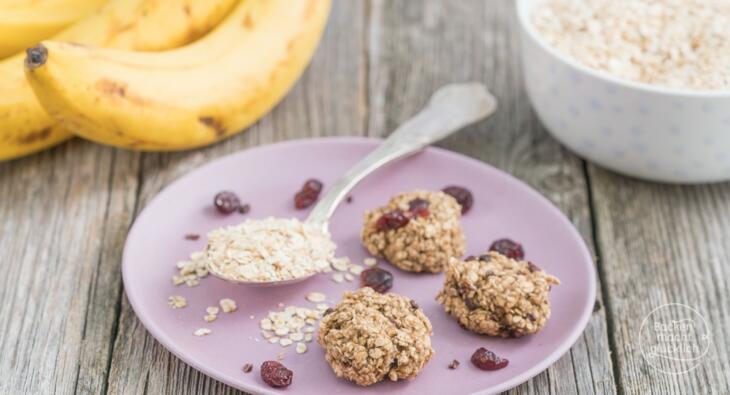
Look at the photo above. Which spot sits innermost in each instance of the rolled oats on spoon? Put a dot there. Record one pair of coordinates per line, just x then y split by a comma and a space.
268, 250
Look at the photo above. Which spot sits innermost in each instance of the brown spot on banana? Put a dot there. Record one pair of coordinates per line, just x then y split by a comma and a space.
36, 56
214, 124
34, 137
118, 90
111, 88
248, 22
309, 11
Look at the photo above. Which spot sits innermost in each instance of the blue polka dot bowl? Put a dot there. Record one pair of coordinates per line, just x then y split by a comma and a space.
646, 131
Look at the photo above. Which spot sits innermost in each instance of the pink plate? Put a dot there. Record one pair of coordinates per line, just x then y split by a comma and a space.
267, 178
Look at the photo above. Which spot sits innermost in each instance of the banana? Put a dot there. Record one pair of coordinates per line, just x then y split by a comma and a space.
23, 24
133, 24
187, 97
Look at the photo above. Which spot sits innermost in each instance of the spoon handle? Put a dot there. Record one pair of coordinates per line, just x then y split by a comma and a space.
451, 108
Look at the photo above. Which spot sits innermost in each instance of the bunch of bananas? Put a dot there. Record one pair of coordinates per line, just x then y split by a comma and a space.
148, 74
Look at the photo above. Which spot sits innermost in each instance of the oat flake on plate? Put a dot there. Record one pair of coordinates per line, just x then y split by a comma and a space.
674, 43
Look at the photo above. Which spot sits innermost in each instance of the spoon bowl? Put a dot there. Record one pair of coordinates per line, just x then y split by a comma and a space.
264, 284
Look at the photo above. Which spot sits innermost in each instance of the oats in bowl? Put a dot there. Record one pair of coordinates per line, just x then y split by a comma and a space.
673, 43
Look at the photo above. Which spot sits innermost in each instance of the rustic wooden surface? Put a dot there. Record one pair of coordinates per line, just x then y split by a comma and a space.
65, 325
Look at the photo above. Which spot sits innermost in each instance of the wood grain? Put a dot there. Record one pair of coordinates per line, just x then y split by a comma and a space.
664, 244
415, 47
59, 212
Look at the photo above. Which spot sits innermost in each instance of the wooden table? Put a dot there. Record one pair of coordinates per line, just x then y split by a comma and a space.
66, 326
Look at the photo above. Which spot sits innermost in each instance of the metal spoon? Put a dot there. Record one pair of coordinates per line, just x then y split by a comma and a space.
451, 108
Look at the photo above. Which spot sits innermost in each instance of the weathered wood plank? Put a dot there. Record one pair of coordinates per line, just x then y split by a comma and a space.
415, 47
664, 244
56, 283
328, 100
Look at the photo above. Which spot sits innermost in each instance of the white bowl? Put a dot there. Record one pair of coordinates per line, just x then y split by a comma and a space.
646, 131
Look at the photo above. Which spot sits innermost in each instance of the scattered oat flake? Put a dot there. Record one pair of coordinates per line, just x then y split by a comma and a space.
341, 264
338, 277
308, 337
309, 329
191, 271
349, 277
370, 262
322, 306
280, 355
301, 348
210, 317
201, 332
356, 269
316, 297
266, 324
287, 324
212, 310
177, 301
228, 305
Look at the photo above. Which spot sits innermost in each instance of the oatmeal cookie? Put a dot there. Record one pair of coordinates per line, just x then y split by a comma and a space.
417, 231
370, 336
497, 296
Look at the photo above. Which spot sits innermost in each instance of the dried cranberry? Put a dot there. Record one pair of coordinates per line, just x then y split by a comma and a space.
533, 267
487, 360
226, 202
192, 236
378, 279
414, 305
247, 368
454, 364
391, 220
419, 207
508, 248
348, 199
462, 195
470, 303
313, 185
308, 194
275, 374
244, 209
